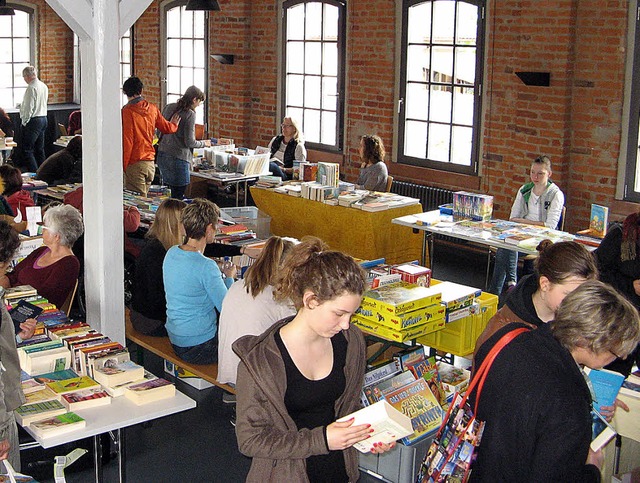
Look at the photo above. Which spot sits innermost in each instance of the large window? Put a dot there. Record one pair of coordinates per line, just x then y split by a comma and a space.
314, 39
126, 60
16, 53
186, 52
440, 89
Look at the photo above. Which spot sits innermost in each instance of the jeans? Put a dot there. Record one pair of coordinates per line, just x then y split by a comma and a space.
505, 269
33, 142
276, 170
205, 353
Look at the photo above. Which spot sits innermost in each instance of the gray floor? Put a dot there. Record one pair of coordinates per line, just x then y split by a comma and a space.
199, 445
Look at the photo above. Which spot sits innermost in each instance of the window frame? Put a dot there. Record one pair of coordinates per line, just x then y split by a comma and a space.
477, 123
131, 62
338, 147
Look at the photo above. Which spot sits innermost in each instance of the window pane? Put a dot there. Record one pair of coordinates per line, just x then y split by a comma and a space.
330, 23
442, 65
329, 93
463, 106
298, 115
465, 65
312, 92
186, 79
199, 24
6, 78
295, 22
186, 23
186, 53
328, 135
173, 79
21, 24
330, 59
461, 145
312, 125
440, 107
15, 55
6, 98
420, 23
467, 24
295, 57
173, 52
415, 144
438, 142
313, 21
312, 58
200, 114
418, 63
295, 90
5, 26
125, 50
21, 50
443, 17
173, 22
5, 49
199, 53
417, 101
198, 79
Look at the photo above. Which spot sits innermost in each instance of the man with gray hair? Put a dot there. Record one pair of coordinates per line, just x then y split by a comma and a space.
33, 116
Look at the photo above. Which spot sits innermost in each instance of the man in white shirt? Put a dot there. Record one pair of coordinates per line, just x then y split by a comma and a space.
33, 116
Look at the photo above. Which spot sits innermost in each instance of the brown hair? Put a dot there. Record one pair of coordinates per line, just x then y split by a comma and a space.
166, 226
11, 179
563, 260
9, 242
594, 316
197, 216
372, 149
326, 273
185, 103
265, 270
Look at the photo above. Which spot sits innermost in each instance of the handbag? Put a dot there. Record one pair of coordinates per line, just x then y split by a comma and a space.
452, 451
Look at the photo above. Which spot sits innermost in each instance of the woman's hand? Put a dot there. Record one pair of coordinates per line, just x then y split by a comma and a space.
251, 252
609, 411
342, 435
175, 119
379, 448
231, 271
595, 458
28, 327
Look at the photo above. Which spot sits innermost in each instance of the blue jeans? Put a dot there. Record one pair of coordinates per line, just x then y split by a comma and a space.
33, 142
276, 170
205, 353
505, 269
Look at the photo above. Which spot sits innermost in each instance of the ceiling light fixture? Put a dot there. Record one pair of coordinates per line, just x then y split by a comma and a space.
203, 5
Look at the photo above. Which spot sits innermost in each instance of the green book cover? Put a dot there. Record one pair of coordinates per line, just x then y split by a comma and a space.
69, 385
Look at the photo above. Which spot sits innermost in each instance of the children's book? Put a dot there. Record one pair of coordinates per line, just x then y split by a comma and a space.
428, 370
598, 220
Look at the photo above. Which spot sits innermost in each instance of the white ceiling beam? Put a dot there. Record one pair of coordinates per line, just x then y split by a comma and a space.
77, 14
130, 11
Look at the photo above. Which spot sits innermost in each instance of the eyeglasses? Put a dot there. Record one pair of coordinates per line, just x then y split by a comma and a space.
286, 125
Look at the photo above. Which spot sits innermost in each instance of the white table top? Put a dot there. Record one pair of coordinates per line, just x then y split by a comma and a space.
119, 414
224, 177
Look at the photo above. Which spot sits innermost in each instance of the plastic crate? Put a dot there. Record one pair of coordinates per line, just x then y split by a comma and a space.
399, 465
251, 217
488, 308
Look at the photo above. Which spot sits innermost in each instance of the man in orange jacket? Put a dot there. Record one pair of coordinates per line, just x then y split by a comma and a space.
139, 120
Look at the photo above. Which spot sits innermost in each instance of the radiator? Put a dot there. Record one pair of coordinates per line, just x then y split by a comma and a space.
429, 196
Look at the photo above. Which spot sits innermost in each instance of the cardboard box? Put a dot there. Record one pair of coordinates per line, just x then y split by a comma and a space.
414, 274
398, 298
185, 376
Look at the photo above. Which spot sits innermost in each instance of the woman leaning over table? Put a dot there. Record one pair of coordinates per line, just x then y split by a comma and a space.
175, 151
194, 286
52, 269
286, 148
373, 171
305, 372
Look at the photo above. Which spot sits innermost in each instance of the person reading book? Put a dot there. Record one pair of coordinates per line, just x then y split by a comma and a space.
619, 266
52, 269
286, 148
194, 286
538, 202
305, 372
536, 402
373, 170
249, 308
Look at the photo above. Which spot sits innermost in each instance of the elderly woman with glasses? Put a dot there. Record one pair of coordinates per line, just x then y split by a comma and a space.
287, 148
52, 269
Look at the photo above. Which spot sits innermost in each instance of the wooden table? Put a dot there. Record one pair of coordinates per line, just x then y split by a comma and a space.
361, 234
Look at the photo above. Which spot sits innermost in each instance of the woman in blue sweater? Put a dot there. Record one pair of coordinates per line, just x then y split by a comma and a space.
194, 287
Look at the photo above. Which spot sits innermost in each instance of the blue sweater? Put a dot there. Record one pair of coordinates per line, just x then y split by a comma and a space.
194, 287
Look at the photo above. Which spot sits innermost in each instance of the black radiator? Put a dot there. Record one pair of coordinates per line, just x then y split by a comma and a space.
429, 196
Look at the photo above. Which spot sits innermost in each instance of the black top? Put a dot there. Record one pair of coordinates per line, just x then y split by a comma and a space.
311, 404
148, 287
222, 250
520, 300
61, 168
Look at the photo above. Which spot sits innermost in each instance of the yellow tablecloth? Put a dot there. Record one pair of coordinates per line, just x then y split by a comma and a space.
361, 234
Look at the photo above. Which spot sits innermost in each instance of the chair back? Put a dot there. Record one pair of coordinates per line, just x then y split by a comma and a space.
389, 183
199, 131
62, 129
562, 218
66, 306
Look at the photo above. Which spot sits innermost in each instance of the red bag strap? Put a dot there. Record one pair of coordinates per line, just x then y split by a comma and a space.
480, 376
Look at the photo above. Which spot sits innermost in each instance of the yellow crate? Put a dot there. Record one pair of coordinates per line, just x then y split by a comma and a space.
459, 337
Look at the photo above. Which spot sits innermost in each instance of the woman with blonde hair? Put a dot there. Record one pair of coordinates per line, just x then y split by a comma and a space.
148, 305
249, 308
286, 148
373, 171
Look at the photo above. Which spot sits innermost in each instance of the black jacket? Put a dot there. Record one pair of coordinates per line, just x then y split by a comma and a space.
289, 152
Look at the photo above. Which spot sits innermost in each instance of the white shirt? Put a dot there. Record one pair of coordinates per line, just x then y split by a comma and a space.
35, 100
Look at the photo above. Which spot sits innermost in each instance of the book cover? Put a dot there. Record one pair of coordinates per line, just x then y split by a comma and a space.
428, 370
410, 355
631, 386
149, 391
601, 431
119, 373
117, 391
606, 385
57, 425
47, 361
519, 239
86, 398
375, 391
22, 311
28, 413
44, 394
598, 220
383, 371
388, 424
55, 376
416, 401
70, 385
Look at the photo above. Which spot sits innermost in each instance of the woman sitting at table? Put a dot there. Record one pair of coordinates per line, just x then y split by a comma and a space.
287, 148
65, 166
175, 151
18, 199
6, 125
52, 269
194, 287
373, 171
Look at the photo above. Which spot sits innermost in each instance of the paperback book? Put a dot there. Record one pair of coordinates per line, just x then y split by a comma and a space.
28, 413
606, 385
150, 391
86, 398
58, 425
602, 432
119, 373
70, 385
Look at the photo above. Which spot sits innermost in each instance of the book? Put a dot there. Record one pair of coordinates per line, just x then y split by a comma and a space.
120, 373
380, 372
388, 424
55, 376
44, 394
117, 391
519, 240
22, 311
150, 391
428, 370
57, 425
411, 355
598, 220
19, 291
631, 386
601, 431
417, 402
47, 361
398, 298
111, 359
375, 392
28, 413
86, 398
606, 385
70, 385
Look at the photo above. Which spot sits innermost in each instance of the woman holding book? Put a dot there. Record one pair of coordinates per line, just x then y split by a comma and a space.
286, 148
194, 286
538, 415
305, 372
538, 202
52, 269
373, 171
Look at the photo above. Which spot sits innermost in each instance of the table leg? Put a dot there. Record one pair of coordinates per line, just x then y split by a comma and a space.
486, 276
246, 187
97, 457
616, 454
121, 447
237, 194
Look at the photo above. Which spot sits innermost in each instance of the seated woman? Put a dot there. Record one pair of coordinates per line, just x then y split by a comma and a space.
249, 307
194, 287
287, 148
373, 171
52, 269
74, 125
6, 125
63, 167
536, 403
149, 305
305, 372
17, 198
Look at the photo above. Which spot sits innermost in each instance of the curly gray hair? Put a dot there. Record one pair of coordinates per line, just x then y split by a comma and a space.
66, 221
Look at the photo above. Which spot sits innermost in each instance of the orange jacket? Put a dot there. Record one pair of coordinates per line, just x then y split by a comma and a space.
139, 120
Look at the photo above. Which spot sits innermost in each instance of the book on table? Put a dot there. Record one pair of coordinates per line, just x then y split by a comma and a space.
117, 391
601, 431
30, 412
41, 395
150, 391
47, 361
60, 424
388, 424
120, 373
631, 386
71, 385
598, 220
86, 398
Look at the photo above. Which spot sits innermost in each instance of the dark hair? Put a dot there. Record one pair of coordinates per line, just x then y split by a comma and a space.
372, 148
9, 242
544, 160
132, 86
328, 274
265, 270
197, 216
75, 147
11, 179
563, 260
186, 101
5, 123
